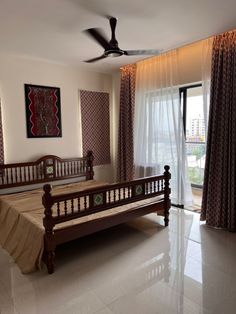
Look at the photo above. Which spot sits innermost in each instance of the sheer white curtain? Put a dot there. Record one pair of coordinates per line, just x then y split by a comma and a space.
159, 135
206, 78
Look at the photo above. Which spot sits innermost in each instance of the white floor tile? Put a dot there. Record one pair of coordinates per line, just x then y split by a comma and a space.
140, 267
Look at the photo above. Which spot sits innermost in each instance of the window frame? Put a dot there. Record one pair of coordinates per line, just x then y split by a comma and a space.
183, 95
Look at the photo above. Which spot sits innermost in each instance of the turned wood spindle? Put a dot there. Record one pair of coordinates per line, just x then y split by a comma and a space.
49, 242
167, 176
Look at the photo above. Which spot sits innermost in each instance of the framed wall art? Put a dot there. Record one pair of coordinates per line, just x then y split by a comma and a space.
43, 111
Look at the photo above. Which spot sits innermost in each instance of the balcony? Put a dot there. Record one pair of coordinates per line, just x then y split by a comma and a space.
196, 156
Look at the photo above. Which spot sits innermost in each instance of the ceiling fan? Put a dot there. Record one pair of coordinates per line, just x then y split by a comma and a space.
111, 47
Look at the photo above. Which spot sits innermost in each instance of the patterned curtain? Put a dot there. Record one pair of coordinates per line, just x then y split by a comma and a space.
1, 137
126, 124
219, 189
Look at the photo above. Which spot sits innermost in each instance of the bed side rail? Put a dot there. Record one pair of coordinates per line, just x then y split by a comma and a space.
61, 208
47, 168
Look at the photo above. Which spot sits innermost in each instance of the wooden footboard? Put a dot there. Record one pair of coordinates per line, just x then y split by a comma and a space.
65, 207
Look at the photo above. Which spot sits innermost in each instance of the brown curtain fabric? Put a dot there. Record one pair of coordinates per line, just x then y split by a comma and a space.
1, 137
219, 190
126, 125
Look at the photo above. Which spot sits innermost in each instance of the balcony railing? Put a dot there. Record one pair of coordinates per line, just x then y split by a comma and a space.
196, 156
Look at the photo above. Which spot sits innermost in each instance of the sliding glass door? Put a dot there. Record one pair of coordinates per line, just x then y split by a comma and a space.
194, 129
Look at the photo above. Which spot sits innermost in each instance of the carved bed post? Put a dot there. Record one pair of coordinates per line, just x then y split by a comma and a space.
49, 243
167, 194
89, 161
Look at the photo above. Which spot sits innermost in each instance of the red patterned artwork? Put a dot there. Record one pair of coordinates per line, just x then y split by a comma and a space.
96, 125
43, 111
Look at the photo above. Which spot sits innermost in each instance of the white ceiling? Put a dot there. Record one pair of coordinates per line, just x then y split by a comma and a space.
52, 29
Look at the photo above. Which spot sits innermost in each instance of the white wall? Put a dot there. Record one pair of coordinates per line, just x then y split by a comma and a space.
115, 120
190, 63
14, 73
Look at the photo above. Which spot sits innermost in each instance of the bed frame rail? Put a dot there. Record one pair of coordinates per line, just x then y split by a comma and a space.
75, 205
47, 168
65, 207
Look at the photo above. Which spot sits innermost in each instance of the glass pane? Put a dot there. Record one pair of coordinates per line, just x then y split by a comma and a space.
195, 135
195, 126
196, 155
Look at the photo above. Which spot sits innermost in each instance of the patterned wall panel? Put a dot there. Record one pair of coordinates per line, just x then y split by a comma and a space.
96, 125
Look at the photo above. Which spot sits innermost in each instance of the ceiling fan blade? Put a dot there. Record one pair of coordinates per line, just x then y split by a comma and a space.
99, 37
95, 59
141, 52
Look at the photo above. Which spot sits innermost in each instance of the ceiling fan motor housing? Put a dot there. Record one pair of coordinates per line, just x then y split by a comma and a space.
113, 53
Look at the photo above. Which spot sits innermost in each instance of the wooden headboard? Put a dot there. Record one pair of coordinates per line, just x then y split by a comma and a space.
47, 168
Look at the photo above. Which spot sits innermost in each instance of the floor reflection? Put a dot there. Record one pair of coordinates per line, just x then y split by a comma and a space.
140, 267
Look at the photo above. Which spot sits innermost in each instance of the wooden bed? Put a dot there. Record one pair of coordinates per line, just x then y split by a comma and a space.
68, 216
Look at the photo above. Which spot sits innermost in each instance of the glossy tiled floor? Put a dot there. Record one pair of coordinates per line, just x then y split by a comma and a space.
139, 268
